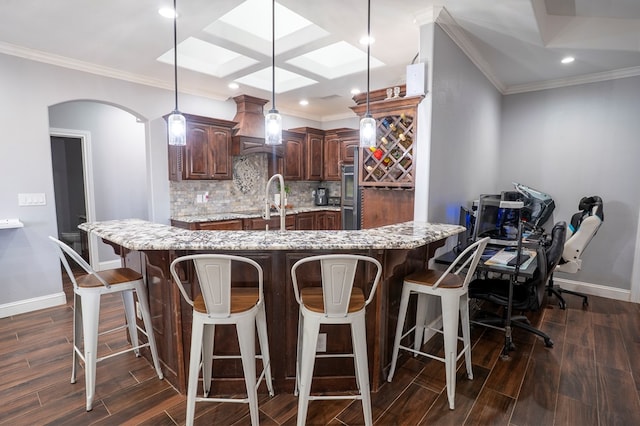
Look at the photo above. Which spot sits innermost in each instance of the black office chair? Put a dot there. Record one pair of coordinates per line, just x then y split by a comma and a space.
527, 296
583, 228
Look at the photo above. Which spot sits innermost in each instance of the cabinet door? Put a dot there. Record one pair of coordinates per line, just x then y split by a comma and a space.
294, 156
197, 152
332, 221
306, 221
222, 225
220, 148
332, 161
314, 152
348, 148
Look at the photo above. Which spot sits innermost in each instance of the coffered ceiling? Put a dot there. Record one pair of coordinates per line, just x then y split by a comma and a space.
518, 44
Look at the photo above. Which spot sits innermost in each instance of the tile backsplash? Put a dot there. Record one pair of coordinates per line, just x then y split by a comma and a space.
244, 192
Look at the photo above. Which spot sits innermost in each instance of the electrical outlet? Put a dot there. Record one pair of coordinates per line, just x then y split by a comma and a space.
321, 345
138, 311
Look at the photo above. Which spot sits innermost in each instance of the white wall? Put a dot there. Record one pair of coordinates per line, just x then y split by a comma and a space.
580, 141
465, 132
119, 157
31, 273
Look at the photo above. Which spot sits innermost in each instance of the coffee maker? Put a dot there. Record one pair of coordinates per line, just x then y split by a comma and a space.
322, 198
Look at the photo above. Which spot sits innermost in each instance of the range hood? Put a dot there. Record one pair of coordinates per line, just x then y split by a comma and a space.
248, 134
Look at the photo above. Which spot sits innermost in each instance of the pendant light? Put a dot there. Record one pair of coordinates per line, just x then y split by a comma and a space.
273, 120
176, 123
368, 123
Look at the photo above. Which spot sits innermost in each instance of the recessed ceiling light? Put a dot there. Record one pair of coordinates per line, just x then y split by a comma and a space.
304, 102
233, 86
355, 91
167, 12
367, 40
568, 59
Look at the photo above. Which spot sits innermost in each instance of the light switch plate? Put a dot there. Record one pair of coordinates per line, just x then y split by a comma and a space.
33, 199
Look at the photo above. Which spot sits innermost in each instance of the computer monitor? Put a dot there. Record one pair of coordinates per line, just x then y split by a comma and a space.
467, 220
498, 219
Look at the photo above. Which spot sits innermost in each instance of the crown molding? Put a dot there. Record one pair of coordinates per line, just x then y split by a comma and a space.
573, 81
73, 64
459, 37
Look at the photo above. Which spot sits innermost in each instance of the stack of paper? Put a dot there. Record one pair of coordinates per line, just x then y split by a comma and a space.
507, 258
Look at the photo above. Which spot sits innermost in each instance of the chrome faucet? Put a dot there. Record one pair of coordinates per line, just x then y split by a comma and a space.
279, 208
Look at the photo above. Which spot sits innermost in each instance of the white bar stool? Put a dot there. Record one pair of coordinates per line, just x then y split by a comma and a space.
453, 292
336, 302
222, 303
87, 290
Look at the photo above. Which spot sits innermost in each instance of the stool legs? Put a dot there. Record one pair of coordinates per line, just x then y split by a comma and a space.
197, 329
402, 314
130, 316
358, 336
145, 311
454, 306
450, 312
246, 329
90, 317
208, 338
466, 333
263, 339
310, 332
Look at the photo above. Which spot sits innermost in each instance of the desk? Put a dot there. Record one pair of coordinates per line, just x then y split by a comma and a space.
513, 272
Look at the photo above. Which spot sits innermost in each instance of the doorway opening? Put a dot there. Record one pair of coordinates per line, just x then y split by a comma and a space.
72, 188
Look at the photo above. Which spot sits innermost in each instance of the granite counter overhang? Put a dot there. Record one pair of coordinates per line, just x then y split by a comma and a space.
137, 234
214, 217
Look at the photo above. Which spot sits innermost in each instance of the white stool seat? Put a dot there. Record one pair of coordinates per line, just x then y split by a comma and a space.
336, 302
87, 290
221, 303
452, 288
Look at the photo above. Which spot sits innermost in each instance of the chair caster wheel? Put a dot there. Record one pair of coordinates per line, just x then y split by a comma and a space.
548, 343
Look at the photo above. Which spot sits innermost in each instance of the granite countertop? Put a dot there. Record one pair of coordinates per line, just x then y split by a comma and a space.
249, 214
137, 234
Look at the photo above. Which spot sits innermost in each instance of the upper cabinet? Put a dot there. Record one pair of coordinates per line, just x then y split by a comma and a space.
391, 162
207, 154
312, 154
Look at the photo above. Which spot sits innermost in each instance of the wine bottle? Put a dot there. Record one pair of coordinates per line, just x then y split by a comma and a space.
405, 120
376, 152
387, 122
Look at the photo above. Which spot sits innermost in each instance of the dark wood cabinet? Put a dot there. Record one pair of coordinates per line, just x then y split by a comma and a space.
314, 155
328, 221
259, 224
311, 157
306, 221
349, 142
207, 154
332, 159
217, 225
291, 165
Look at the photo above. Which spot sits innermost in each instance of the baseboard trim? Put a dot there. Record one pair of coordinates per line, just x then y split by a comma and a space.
594, 289
30, 305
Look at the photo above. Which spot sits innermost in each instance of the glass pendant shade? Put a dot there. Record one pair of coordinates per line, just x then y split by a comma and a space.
273, 128
177, 126
367, 132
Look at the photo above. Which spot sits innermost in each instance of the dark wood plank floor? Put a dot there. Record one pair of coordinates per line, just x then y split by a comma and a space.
590, 377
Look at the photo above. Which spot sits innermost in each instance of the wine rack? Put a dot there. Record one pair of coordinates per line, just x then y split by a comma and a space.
391, 163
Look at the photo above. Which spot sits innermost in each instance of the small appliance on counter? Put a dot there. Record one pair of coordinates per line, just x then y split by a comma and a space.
334, 201
321, 198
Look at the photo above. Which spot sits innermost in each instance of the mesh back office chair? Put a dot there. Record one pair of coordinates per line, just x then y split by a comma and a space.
583, 227
527, 296
87, 290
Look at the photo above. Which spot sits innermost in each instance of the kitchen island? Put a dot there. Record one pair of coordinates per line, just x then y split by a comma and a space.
150, 247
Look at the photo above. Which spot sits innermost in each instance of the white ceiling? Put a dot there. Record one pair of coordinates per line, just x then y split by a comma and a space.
518, 44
